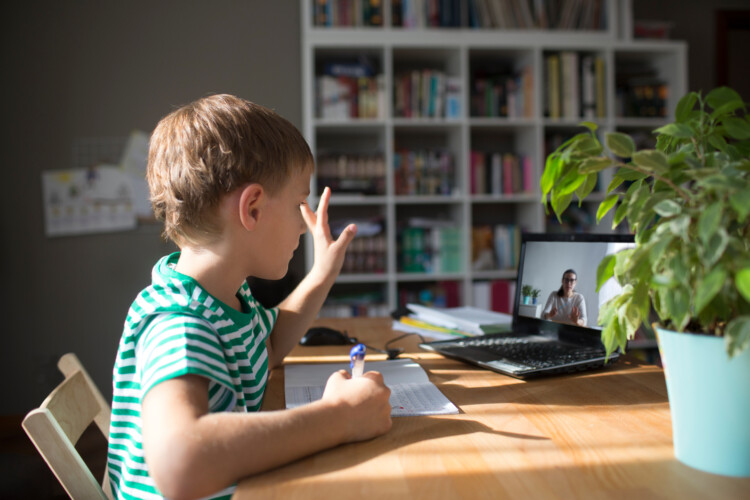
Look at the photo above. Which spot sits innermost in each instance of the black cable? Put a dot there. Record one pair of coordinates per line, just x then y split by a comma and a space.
392, 353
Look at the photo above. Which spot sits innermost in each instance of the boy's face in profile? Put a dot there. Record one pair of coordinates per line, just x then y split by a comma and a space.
281, 226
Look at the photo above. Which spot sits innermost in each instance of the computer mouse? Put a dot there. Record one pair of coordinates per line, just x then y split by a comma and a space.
323, 335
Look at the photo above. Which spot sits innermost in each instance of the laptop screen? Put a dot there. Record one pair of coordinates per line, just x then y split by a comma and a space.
562, 267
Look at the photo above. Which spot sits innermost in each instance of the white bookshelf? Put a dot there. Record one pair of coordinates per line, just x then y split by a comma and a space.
459, 52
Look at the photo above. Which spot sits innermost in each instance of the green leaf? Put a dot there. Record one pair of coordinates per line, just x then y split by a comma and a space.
560, 203
606, 205
678, 130
663, 280
636, 202
585, 147
715, 246
667, 208
660, 246
679, 226
727, 108
737, 335
614, 183
609, 336
708, 288
709, 221
569, 182
589, 125
685, 106
620, 213
678, 307
595, 164
630, 175
652, 160
622, 262
719, 181
605, 270
587, 187
717, 141
551, 171
620, 144
737, 128
721, 96
742, 280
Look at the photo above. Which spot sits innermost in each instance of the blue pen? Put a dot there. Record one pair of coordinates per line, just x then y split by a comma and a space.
357, 357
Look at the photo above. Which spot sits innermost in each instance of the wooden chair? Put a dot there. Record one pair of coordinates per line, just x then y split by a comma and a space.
58, 423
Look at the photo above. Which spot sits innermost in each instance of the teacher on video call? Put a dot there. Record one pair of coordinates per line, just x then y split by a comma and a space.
566, 305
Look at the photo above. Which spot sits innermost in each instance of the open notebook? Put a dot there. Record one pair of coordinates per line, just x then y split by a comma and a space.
537, 346
412, 393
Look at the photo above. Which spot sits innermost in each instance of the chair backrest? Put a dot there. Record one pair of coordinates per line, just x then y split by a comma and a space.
58, 423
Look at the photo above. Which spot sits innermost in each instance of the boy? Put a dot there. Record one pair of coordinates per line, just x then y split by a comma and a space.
229, 179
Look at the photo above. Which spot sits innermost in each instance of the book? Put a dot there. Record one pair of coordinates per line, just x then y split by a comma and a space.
570, 85
411, 325
467, 318
553, 86
588, 87
600, 89
502, 296
412, 393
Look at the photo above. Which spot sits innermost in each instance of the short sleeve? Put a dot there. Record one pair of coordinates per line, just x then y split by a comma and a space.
266, 316
174, 345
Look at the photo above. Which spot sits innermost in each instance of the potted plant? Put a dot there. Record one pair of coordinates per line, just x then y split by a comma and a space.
535, 295
688, 203
526, 293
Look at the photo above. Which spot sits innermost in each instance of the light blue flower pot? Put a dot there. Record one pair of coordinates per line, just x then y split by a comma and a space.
709, 398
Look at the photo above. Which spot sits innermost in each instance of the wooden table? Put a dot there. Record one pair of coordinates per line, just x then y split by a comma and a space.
600, 435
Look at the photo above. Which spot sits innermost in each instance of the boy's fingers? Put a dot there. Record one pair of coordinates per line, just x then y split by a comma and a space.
376, 376
347, 235
342, 374
308, 215
322, 213
323, 201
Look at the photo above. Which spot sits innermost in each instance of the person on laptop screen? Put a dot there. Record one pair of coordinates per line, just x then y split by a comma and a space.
566, 305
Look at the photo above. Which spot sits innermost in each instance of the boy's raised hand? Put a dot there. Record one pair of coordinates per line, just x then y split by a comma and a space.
329, 253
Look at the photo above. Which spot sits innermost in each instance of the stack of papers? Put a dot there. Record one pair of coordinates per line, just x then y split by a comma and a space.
451, 322
412, 393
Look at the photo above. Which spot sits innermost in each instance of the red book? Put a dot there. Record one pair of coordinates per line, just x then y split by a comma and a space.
528, 175
508, 173
500, 296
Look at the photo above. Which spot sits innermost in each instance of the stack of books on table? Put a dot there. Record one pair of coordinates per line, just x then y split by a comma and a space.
451, 322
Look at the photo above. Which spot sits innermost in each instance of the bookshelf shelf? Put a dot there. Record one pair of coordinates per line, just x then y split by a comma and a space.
466, 155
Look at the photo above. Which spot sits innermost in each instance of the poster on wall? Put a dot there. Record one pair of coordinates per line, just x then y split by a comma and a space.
94, 200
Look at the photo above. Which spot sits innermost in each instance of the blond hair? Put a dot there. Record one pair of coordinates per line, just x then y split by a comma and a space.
208, 148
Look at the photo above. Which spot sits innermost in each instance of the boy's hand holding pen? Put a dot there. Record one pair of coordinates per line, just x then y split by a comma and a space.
362, 398
357, 360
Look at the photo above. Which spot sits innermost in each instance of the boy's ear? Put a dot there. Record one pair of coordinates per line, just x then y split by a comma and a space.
251, 203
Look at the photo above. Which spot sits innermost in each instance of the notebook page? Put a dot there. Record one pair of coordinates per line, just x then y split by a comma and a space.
412, 393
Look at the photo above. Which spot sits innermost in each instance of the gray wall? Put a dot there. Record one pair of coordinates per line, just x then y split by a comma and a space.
695, 22
92, 69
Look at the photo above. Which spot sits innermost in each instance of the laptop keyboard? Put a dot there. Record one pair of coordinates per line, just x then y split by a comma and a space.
530, 352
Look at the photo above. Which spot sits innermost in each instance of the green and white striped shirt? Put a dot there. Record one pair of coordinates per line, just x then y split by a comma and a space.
175, 328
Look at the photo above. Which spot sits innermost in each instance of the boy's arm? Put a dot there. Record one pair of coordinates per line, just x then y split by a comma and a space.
192, 453
298, 310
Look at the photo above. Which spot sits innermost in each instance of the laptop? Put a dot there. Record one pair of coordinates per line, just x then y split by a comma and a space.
537, 346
